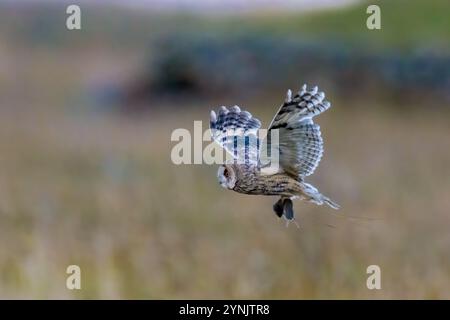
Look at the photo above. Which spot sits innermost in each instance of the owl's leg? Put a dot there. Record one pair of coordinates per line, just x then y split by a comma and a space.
278, 208
288, 212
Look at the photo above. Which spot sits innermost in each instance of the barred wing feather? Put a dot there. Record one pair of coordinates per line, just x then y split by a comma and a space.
300, 141
236, 131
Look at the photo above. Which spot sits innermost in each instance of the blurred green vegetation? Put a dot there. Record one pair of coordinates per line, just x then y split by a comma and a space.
405, 24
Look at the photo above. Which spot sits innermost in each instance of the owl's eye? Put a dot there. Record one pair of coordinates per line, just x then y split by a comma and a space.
225, 173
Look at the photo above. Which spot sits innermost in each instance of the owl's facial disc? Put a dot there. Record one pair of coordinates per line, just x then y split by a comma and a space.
226, 176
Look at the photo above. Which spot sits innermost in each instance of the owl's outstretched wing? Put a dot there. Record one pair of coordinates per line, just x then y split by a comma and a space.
300, 141
236, 131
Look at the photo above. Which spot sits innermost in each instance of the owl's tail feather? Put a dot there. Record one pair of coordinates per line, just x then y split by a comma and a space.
316, 197
331, 203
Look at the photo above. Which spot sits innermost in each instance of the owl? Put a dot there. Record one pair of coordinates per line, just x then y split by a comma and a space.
299, 149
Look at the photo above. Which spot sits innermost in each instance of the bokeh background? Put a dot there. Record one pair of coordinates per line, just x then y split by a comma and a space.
86, 176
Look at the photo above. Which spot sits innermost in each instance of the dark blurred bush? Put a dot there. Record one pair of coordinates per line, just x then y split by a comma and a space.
209, 65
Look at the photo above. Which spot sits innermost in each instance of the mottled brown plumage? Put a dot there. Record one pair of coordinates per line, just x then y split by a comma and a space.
251, 181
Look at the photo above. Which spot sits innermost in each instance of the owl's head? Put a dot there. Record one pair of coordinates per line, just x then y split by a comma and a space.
226, 176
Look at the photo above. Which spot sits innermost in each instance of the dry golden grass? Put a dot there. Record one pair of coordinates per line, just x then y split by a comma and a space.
102, 193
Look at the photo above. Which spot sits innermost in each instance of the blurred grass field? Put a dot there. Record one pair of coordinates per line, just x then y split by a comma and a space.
103, 194
96, 188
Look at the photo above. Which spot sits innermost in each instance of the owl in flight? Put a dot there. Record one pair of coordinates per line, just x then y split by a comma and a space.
299, 149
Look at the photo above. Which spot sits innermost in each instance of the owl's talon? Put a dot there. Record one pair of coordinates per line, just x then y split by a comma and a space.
287, 209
